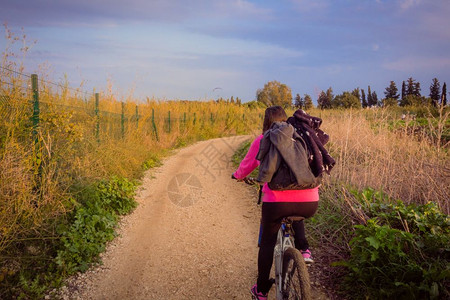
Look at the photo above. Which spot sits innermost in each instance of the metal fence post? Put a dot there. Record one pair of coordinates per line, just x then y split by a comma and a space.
35, 119
154, 125
122, 120
169, 122
137, 117
97, 118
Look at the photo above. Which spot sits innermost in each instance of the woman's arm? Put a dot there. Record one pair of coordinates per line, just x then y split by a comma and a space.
249, 163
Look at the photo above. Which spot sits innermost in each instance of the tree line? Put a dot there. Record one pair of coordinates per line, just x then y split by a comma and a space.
276, 93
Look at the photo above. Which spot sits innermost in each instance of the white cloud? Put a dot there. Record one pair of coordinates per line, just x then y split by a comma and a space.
406, 4
417, 64
310, 5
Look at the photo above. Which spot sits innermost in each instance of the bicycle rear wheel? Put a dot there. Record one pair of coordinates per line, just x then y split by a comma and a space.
295, 277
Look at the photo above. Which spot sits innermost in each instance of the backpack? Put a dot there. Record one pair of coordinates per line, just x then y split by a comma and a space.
285, 179
284, 160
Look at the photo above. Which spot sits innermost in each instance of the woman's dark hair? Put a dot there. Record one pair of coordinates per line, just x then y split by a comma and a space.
273, 114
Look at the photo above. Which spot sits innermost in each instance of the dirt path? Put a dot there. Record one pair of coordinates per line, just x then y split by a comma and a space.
193, 235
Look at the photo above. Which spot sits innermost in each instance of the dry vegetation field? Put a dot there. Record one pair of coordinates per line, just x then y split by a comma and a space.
413, 168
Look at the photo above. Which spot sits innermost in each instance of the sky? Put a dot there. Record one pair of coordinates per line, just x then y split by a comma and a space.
205, 49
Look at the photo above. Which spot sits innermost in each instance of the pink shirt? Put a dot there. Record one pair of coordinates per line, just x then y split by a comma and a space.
249, 163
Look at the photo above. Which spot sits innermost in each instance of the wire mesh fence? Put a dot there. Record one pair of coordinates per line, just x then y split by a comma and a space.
102, 116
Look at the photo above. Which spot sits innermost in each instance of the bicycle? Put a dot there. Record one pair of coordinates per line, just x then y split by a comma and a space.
291, 273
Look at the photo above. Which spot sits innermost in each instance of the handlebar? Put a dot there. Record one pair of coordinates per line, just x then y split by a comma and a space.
252, 181
247, 180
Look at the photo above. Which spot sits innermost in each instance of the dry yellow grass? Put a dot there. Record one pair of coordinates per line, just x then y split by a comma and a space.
35, 179
369, 154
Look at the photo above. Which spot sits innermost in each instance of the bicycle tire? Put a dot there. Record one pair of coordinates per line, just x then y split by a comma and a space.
295, 277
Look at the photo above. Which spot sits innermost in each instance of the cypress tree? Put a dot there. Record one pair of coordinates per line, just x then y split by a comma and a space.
403, 90
435, 88
363, 99
416, 90
444, 95
374, 99
370, 100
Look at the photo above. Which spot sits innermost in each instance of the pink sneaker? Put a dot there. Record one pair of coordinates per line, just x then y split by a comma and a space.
307, 256
257, 295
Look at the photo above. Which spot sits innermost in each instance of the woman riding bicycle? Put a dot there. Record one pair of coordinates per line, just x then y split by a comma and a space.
277, 204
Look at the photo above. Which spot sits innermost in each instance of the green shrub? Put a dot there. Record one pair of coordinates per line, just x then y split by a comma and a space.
93, 223
85, 237
401, 252
117, 195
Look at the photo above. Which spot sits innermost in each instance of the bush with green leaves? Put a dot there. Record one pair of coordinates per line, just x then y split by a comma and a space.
93, 223
402, 251
117, 195
83, 239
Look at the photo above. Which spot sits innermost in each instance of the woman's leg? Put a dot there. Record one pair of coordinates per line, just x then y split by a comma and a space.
272, 214
269, 231
301, 243
308, 209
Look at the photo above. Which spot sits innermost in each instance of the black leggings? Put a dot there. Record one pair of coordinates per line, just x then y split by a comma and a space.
272, 214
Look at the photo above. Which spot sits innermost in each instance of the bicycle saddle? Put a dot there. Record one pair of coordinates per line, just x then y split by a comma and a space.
291, 219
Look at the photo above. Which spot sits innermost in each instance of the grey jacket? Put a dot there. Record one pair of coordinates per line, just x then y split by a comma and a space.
284, 159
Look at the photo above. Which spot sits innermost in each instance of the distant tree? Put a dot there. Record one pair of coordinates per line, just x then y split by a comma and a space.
308, 102
374, 99
410, 84
346, 100
444, 95
298, 103
412, 87
403, 90
356, 93
386, 102
391, 91
323, 101
363, 99
435, 91
232, 100
238, 101
416, 90
330, 95
275, 93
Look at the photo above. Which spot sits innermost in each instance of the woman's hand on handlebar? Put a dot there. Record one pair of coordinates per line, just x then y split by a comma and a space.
247, 180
